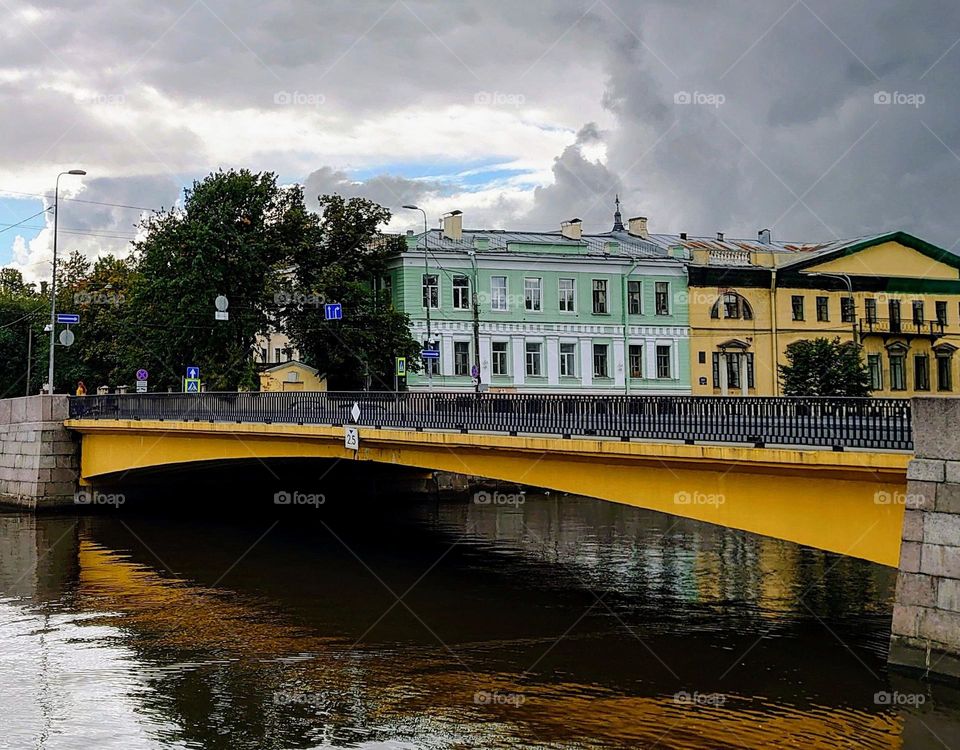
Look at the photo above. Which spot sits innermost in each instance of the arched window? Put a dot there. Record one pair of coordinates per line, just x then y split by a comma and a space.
733, 306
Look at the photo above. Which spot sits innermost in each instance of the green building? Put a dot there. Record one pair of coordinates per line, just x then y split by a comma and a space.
546, 312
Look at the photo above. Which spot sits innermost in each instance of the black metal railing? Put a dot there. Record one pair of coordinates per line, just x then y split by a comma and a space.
816, 422
901, 326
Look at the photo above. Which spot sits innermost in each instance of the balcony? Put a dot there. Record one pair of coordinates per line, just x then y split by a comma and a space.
906, 327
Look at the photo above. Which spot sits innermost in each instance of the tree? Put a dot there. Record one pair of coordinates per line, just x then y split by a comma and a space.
23, 314
230, 237
820, 367
347, 263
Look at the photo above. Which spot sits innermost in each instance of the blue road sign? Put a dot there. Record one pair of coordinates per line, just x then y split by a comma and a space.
430, 354
142, 374
333, 311
68, 318
193, 385
193, 372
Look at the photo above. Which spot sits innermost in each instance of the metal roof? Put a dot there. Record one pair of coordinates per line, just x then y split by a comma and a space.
589, 244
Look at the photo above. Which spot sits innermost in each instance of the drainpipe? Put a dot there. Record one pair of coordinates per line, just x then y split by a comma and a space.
626, 319
476, 316
774, 343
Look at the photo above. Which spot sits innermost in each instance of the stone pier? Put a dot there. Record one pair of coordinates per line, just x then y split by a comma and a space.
925, 634
39, 458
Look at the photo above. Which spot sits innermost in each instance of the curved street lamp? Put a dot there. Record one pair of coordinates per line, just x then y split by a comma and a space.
53, 283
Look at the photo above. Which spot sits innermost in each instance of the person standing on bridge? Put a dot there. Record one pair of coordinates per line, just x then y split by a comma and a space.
81, 388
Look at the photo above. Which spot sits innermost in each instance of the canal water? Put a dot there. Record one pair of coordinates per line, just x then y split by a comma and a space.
532, 621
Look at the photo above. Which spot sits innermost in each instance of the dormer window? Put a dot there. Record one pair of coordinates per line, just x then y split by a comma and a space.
732, 306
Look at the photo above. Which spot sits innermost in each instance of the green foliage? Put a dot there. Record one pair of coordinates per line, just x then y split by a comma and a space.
22, 312
821, 367
234, 231
347, 264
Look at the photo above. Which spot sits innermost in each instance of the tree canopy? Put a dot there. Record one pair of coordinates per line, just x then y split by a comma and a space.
821, 367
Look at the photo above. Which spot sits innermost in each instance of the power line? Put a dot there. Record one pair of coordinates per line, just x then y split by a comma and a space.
11, 226
80, 200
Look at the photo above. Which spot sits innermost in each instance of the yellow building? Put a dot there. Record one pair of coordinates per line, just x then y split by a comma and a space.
894, 293
292, 376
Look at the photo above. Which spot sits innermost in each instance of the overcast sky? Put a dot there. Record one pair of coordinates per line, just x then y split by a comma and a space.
816, 118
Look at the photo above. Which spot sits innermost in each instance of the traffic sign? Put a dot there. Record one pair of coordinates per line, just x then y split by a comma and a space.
221, 315
67, 337
142, 374
141, 386
430, 354
191, 385
355, 411
68, 318
193, 372
333, 311
401, 367
351, 438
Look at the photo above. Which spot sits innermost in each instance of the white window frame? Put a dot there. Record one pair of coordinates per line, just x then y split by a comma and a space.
470, 360
639, 283
573, 360
526, 358
539, 291
669, 300
506, 294
457, 288
423, 288
506, 358
573, 295
593, 352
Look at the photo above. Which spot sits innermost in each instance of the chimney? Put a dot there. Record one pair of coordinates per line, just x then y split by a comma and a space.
453, 225
638, 226
572, 229
719, 236
683, 235
764, 236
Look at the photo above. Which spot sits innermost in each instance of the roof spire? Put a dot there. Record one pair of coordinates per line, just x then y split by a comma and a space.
617, 218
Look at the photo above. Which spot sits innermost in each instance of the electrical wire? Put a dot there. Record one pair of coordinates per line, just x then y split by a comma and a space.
79, 200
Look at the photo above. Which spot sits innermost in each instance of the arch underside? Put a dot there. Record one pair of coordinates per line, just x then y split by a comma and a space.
840, 502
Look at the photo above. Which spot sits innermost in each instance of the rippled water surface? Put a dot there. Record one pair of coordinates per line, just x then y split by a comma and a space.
563, 622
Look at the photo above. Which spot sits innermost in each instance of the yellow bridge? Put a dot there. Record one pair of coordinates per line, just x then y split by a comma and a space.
845, 501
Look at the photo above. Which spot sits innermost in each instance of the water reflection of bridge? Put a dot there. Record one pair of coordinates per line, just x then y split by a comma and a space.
213, 658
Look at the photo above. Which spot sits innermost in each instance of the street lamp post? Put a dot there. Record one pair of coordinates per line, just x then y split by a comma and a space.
53, 282
427, 300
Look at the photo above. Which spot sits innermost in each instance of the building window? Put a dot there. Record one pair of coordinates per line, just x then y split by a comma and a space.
918, 312
600, 369
600, 297
636, 361
898, 377
823, 309
942, 313
944, 372
431, 291
533, 294
498, 357
733, 370
870, 309
894, 307
733, 306
498, 293
634, 303
461, 357
663, 361
848, 310
663, 298
797, 303
534, 359
567, 295
568, 360
921, 372
875, 369
277, 353
461, 293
